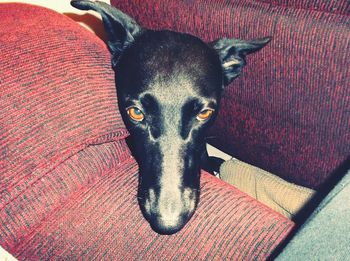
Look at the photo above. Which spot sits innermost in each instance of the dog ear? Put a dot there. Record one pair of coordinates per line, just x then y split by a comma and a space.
232, 53
120, 28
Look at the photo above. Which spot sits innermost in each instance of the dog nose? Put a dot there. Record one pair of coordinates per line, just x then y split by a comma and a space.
169, 213
168, 226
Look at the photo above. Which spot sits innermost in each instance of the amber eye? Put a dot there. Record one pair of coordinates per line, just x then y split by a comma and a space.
205, 114
135, 114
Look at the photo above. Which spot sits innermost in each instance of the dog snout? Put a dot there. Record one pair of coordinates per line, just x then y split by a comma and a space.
169, 212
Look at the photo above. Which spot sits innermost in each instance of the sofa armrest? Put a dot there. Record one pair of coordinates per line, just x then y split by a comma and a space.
57, 95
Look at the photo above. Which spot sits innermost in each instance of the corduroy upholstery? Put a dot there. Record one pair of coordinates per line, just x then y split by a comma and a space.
335, 6
288, 113
54, 100
67, 180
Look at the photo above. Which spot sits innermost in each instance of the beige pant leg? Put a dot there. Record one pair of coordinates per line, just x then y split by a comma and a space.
280, 195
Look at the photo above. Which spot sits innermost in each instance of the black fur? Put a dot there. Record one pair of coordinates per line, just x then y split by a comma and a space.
171, 79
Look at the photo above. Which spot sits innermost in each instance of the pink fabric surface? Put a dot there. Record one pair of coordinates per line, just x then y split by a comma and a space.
57, 95
103, 221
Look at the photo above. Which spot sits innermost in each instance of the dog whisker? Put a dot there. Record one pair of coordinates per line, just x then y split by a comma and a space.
210, 137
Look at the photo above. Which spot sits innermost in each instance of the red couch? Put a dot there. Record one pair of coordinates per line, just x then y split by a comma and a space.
67, 179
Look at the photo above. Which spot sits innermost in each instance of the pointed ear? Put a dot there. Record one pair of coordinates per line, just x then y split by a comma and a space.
120, 28
232, 53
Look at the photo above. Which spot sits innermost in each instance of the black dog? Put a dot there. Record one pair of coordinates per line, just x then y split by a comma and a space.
169, 86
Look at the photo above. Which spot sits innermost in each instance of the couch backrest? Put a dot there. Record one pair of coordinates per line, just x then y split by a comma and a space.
331, 6
288, 112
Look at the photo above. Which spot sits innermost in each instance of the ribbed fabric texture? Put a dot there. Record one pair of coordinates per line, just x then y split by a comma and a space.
68, 183
57, 95
23, 215
288, 111
332, 6
103, 222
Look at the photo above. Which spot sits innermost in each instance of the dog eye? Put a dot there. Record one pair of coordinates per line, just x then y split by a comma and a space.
135, 114
205, 114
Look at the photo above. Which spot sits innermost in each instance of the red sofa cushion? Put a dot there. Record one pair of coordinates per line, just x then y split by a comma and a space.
102, 221
36, 205
288, 111
68, 181
57, 95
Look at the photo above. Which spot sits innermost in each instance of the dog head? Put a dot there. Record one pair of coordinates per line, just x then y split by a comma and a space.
169, 86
